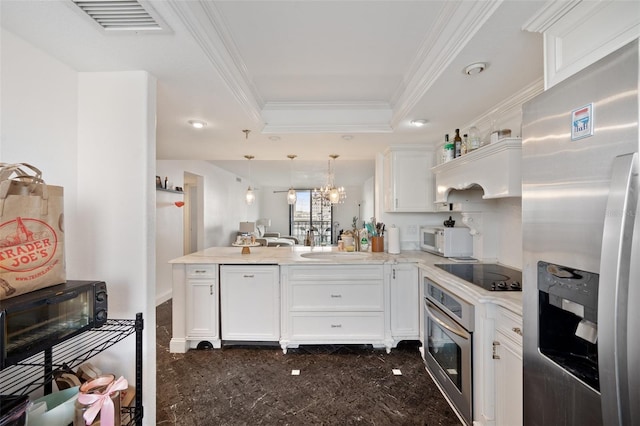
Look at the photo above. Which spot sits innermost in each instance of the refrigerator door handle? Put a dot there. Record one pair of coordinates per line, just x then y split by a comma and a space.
615, 264
633, 324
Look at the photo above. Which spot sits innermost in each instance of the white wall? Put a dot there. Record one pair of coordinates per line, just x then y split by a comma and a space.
223, 207
508, 214
83, 130
169, 240
274, 206
39, 119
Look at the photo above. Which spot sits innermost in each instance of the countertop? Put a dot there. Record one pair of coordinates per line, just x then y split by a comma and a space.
292, 256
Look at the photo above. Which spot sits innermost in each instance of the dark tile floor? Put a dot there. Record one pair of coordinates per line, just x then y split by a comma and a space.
337, 385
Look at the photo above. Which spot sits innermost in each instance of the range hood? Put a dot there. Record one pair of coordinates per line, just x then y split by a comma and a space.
496, 168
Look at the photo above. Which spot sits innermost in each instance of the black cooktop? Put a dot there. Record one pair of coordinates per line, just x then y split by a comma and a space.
489, 276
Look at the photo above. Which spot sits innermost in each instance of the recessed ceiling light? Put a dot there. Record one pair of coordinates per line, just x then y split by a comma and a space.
198, 124
274, 138
476, 68
347, 137
419, 122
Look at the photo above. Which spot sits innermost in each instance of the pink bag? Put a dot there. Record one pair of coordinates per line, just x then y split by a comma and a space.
31, 231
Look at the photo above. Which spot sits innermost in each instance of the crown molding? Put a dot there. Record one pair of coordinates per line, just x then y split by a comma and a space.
326, 128
326, 117
508, 107
208, 28
326, 105
548, 15
455, 26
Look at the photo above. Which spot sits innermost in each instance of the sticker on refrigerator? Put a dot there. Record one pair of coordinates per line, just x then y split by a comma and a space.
582, 122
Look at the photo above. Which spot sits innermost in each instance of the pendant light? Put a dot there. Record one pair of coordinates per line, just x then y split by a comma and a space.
250, 197
291, 194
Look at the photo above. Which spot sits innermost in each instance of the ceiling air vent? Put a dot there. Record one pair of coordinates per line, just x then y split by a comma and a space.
122, 15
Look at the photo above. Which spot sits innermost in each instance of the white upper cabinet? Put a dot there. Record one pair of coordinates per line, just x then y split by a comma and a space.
407, 180
577, 34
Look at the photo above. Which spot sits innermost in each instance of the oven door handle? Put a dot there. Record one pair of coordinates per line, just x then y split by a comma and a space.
443, 321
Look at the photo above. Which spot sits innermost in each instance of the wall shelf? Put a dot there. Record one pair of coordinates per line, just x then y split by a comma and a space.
170, 190
496, 168
36, 371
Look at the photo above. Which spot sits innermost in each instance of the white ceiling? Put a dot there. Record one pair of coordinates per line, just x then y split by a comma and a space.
300, 75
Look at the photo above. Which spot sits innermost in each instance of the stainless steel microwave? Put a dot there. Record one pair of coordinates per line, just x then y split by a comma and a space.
34, 321
447, 242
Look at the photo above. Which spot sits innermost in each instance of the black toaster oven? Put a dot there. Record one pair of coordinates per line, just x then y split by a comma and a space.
37, 320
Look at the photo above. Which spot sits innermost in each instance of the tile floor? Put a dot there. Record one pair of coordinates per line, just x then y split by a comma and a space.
336, 385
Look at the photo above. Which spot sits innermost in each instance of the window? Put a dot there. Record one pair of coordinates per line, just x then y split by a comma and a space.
311, 213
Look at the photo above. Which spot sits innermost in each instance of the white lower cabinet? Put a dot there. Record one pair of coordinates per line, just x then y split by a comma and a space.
333, 304
404, 288
250, 302
337, 325
202, 305
507, 356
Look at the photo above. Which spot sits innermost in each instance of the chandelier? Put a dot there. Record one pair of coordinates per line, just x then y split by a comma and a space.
330, 194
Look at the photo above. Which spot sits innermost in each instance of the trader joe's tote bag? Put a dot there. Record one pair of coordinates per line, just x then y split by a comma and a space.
31, 231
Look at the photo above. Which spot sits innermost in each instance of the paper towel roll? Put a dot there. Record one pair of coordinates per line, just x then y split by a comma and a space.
394, 240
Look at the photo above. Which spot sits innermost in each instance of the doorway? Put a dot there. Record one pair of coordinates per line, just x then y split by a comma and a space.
193, 221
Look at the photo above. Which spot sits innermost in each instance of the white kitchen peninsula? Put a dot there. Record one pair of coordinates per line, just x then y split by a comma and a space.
353, 298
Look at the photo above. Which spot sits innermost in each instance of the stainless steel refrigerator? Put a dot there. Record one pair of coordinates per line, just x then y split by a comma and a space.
581, 237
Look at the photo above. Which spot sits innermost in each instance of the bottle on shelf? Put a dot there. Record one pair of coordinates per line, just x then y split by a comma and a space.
465, 144
166, 182
448, 149
457, 144
474, 139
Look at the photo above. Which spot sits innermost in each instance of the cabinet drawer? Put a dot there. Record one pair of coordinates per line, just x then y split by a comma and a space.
336, 273
201, 271
342, 326
509, 324
354, 296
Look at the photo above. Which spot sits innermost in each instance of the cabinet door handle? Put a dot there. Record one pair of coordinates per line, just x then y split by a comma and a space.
211, 289
336, 325
248, 276
517, 330
200, 271
495, 350
396, 203
336, 296
394, 273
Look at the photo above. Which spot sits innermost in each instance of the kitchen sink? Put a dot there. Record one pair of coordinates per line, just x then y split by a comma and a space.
336, 255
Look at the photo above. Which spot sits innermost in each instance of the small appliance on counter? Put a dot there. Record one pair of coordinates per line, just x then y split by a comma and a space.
34, 321
446, 241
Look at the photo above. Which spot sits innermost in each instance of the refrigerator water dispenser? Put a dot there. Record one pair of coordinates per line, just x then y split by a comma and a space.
568, 320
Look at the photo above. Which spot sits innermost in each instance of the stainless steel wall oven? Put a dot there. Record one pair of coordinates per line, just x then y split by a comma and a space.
448, 335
